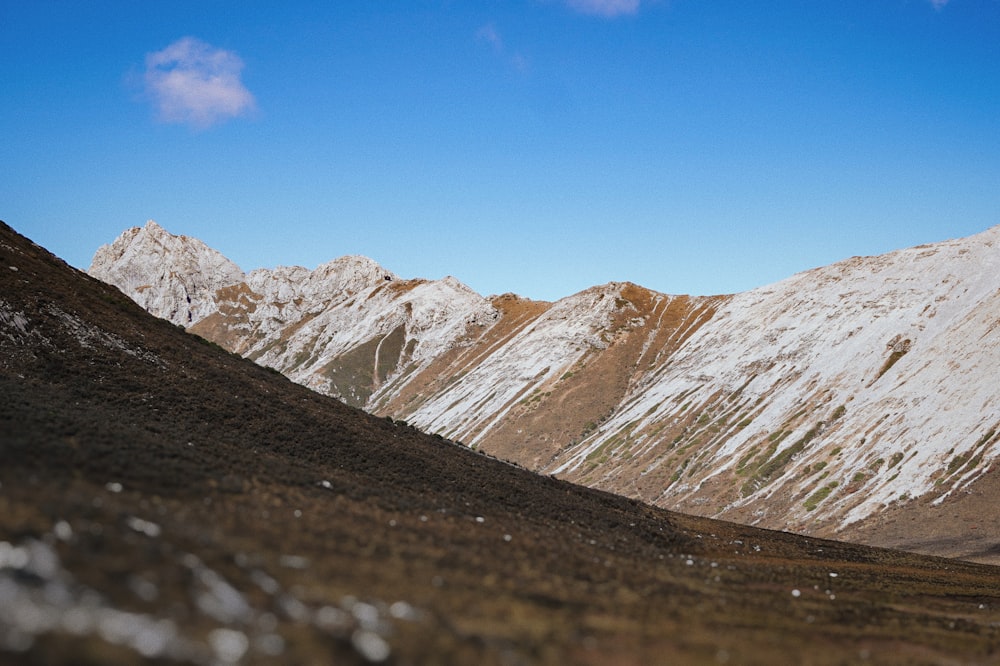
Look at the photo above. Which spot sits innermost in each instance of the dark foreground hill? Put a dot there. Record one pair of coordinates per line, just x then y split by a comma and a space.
166, 501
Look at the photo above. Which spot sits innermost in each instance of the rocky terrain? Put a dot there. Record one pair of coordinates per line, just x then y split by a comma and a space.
856, 400
163, 500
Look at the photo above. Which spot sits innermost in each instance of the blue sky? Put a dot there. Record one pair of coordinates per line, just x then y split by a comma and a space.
535, 146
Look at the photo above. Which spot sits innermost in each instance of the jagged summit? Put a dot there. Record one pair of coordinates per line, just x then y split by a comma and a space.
174, 276
817, 404
344, 328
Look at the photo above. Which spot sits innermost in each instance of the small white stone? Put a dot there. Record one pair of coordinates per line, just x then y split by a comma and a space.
146, 527
63, 531
402, 610
229, 645
370, 645
367, 615
12, 557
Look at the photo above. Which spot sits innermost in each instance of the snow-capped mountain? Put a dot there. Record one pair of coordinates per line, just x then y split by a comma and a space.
815, 404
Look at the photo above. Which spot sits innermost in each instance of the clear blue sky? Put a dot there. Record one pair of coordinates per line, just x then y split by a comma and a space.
535, 146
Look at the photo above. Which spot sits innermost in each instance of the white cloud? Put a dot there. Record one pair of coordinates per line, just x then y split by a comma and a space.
610, 8
939, 4
195, 83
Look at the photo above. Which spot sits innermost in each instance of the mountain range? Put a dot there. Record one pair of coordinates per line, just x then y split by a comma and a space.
163, 500
857, 400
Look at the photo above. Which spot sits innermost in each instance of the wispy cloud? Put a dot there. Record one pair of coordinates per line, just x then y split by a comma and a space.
939, 4
195, 83
488, 34
611, 8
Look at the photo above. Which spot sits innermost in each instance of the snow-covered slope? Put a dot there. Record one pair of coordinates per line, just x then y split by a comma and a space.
822, 398
808, 404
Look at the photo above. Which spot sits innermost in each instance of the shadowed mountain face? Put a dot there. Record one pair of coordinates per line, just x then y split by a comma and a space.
164, 500
857, 400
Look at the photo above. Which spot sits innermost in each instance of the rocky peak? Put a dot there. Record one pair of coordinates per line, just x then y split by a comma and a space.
174, 277
348, 328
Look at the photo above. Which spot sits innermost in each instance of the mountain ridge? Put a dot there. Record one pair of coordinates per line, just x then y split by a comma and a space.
814, 404
165, 501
